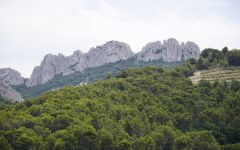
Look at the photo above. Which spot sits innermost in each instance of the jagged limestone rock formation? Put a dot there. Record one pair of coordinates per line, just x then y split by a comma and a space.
112, 51
52, 65
170, 51
11, 77
7, 92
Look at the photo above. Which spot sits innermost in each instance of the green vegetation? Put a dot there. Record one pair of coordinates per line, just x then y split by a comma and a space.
213, 58
93, 74
140, 109
146, 108
233, 57
4, 101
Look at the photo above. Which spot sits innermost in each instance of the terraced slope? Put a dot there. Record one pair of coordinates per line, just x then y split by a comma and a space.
222, 74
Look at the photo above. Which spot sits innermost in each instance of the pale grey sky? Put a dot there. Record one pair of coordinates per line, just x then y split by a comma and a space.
29, 29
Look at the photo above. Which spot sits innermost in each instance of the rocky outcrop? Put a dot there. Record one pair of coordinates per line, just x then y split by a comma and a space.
7, 92
170, 51
11, 77
110, 52
53, 65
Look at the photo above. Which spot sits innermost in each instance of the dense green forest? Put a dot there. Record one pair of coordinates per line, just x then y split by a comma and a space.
140, 108
93, 74
145, 108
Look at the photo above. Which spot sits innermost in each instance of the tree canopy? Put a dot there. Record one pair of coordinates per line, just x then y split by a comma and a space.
233, 57
141, 108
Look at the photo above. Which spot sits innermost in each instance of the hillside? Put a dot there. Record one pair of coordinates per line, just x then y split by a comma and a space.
142, 108
56, 71
52, 65
92, 74
205, 68
227, 74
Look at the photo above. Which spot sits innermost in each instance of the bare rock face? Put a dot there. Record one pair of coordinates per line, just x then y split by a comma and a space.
76, 62
7, 92
11, 77
191, 50
151, 51
112, 51
169, 51
50, 66
53, 65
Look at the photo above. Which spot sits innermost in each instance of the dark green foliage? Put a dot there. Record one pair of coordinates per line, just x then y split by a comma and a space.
212, 58
140, 108
231, 147
225, 50
4, 101
202, 64
93, 74
235, 85
212, 54
233, 57
145, 143
202, 140
4, 143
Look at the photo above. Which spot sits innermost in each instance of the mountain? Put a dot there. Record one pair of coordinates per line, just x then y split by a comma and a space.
56, 71
8, 93
170, 51
53, 65
112, 51
11, 77
89, 74
8, 78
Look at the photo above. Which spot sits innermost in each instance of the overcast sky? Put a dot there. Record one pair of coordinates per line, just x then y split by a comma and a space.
29, 29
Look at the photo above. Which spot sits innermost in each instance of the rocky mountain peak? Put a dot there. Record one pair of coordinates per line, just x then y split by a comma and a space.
77, 53
60, 55
7, 92
11, 76
170, 51
52, 65
171, 41
112, 51
190, 50
152, 46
